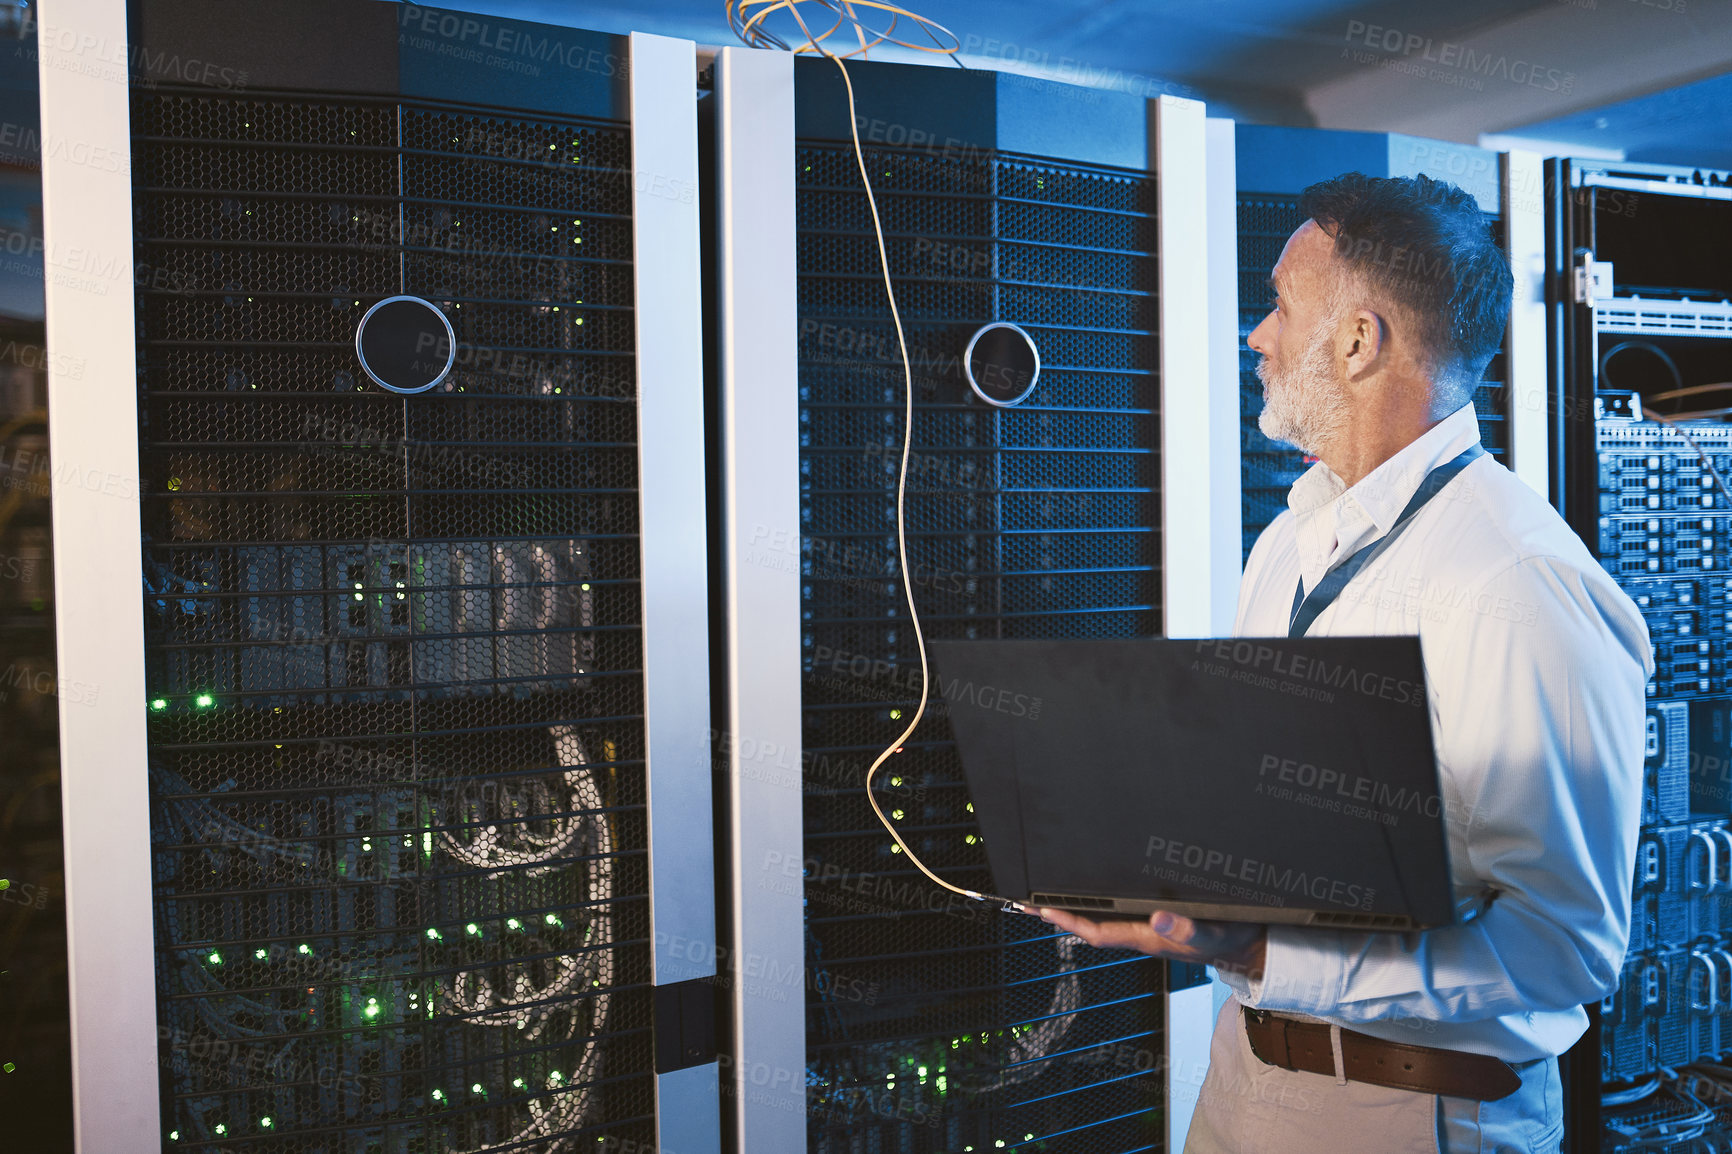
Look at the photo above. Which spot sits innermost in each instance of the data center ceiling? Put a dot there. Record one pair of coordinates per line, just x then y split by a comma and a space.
1596, 75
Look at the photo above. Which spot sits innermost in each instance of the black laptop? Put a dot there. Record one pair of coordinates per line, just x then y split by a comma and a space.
1247, 779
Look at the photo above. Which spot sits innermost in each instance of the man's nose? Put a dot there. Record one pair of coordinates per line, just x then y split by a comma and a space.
1257, 341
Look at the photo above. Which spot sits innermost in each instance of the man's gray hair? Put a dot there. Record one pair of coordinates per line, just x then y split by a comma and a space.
1424, 246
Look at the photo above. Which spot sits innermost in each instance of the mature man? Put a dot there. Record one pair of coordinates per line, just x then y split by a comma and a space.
1389, 302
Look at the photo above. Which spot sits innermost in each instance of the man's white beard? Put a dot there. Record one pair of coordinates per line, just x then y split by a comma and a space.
1305, 404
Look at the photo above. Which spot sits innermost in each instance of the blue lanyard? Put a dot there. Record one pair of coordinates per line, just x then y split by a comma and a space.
1305, 609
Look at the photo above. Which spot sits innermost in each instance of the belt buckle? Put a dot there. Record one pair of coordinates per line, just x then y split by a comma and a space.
1276, 1039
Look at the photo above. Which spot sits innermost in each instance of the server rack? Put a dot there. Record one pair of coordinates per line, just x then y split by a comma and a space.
1640, 304
36, 1092
928, 1025
417, 775
1275, 164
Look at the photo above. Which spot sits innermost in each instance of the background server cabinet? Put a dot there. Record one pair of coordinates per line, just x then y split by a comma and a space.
1274, 166
1092, 509
1641, 298
418, 781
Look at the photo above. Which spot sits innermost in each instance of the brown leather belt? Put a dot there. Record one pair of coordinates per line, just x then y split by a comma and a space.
1292, 1045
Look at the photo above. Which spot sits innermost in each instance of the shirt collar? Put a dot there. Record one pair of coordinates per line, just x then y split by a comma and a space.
1385, 491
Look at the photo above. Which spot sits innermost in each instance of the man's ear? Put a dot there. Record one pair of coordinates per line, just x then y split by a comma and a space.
1363, 338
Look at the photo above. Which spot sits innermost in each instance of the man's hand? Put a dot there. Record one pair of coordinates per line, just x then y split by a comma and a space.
1232, 945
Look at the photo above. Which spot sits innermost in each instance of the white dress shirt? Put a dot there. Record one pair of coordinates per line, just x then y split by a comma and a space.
1536, 663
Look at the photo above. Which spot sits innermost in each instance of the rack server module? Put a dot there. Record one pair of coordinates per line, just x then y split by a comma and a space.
1641, 256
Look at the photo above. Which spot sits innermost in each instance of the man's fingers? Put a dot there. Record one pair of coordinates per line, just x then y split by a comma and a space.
1176, 928
1069, 922
1125, 935
1164, 933
1112, 933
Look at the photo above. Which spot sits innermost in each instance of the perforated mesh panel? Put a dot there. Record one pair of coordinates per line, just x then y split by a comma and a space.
395, 716
1269, 468
934, 1025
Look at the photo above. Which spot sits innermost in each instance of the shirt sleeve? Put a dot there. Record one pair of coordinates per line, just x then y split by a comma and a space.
1539, 712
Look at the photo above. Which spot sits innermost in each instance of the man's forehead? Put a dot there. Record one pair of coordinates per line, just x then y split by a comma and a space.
1306, 254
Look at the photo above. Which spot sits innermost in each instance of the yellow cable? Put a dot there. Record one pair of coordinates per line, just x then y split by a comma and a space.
1706, 460
746, 17
1693, 390
901, 496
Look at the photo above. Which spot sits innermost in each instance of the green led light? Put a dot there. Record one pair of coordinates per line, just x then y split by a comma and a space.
372, 1011
1028, 1137
221, 1130
8, 1067
439, 1095
555, 1076
971, 807
216, 959
553, 919
513, 924
970, 839
303, 948
261, 953
895, 715
204, 701
433, 933
895, 849
517, 1082
897, 814
5, 883
159, 704
266, 1122
896, 781
476, 1089
921, 1071
174, 1135
472, 929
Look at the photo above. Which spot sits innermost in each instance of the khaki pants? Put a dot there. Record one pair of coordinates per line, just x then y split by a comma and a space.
1248, 1107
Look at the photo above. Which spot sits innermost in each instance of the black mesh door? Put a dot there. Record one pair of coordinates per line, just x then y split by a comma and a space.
395, 723
1267, 469
933, 1024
